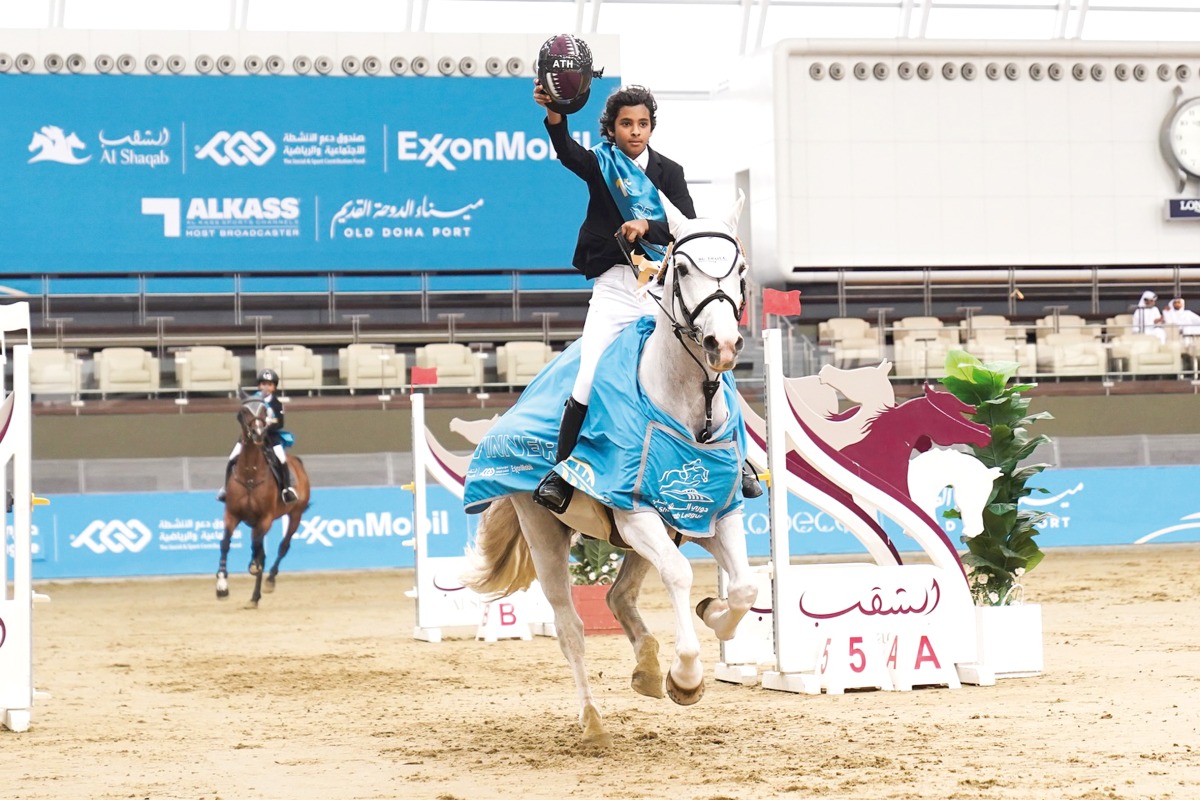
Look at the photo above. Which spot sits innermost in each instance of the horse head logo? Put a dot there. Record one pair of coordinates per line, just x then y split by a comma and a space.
53, 144
956, 429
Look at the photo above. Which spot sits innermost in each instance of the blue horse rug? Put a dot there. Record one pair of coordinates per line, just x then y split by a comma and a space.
630, 455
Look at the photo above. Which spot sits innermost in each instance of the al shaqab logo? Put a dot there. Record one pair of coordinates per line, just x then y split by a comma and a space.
52, 143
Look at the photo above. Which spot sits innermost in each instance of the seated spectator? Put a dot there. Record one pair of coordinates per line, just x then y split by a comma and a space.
1147, 318
1186, 320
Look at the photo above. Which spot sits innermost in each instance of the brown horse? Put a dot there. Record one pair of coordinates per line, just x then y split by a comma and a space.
252, 496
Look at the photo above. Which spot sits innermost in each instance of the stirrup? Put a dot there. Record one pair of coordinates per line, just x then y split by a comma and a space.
751, 488
554, 493
221, 496
289, 494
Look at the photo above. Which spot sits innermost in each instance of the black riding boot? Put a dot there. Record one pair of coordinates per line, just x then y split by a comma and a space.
553, 492
289, 483
750, 485
228, 474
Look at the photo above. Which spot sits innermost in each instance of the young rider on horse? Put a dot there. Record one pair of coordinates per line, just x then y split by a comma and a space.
268, 381
624, 177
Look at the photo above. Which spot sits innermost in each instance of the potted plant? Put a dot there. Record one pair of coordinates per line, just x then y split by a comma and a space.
594, 565
1009, 630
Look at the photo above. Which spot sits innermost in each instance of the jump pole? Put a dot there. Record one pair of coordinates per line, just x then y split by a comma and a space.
16, 556
442, 601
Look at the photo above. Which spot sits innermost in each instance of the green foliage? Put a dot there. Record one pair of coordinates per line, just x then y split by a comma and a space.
1006, 550
594, 561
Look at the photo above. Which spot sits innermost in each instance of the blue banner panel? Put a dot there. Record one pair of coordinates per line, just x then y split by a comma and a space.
243, 174
85, 536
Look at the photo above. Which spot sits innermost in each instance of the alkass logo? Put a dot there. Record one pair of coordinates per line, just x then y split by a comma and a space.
239, 148
114, 536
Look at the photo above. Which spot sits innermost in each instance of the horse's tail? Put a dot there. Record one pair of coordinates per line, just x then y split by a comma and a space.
500, 562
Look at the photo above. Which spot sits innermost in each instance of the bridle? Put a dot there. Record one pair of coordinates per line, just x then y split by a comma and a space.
674, 256
253, 421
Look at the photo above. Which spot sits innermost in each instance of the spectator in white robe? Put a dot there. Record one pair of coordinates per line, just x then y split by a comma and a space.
1178, 315
1147, 318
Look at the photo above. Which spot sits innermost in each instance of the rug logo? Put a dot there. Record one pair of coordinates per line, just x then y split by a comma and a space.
681, 484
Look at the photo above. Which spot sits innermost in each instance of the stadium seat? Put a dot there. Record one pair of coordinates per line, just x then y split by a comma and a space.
854, 341
208, 369
1144, 354
517, 363
126, 370
1074, 353
298, 366
371, 366
455, 363
54, 371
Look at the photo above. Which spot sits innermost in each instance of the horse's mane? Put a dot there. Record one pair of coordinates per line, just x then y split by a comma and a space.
870, 422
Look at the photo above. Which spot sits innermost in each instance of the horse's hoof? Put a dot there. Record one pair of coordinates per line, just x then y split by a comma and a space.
648, 683
268, 585
253, 604
703, 605
254, 568
647, 675
222, 594
684, 697
595, 737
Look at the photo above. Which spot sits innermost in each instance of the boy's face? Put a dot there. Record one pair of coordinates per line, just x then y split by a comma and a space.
631, 130
266, 387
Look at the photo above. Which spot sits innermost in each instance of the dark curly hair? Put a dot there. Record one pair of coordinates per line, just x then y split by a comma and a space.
626, 96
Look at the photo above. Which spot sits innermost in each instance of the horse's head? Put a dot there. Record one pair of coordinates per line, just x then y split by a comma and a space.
704, 282
949, 427
253, 418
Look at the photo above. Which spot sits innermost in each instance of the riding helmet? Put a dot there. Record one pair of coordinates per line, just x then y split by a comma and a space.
564, 68
268, 376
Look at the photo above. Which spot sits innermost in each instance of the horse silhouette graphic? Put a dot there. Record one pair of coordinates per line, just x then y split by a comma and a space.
680, 484
52, 144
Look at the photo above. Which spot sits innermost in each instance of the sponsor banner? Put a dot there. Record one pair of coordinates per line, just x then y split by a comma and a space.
292, 174
83, 536
1183, 208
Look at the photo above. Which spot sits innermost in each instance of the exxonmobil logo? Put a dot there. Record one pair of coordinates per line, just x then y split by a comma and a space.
447, 151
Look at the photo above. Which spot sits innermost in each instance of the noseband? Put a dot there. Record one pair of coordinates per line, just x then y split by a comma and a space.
674, 253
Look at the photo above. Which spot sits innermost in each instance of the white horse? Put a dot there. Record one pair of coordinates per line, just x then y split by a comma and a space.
932, 471
695, 338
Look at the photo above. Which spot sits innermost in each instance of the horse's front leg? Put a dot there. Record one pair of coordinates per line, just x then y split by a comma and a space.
222, 570
645, 533
728, 547
284, 546
622, 599
258, 560
550, 547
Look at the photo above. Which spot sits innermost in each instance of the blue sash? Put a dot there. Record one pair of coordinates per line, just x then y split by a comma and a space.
630, 455
635, 194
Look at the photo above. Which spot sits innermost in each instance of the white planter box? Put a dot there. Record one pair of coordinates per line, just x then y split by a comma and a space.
1010, 639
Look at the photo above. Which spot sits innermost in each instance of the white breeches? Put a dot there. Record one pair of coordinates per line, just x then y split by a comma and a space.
277, 449
615, 303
